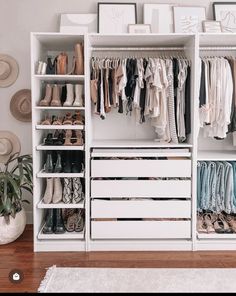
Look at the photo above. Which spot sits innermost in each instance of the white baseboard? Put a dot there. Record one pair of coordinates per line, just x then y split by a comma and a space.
29, 217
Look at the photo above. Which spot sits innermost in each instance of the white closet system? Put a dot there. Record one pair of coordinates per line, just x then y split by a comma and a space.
114, 207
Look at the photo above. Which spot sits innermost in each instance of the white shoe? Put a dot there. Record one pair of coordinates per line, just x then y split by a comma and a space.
69, 95
47, 199
78, 102
57, 195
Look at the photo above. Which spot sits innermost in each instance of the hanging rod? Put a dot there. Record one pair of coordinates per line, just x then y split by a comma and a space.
218, 48
135, 48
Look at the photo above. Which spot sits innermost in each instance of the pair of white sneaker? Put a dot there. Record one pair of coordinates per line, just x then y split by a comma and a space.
74, 95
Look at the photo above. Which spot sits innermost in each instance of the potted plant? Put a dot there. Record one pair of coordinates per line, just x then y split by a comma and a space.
16, 175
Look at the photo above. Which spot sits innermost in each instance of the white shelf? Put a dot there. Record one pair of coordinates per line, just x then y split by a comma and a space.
217, 39
59, 148
141, 152
42, 174
59, 127
216, 155
135, 144
139, 40
78, 78
66, 235
42, 205
59, 108
216, 236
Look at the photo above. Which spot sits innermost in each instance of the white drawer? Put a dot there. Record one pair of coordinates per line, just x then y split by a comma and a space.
141, 209
141, 168
141, 188
141, 229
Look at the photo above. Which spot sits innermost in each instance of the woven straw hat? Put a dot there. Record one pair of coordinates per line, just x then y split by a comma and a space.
9, 145
9, 70
20, 105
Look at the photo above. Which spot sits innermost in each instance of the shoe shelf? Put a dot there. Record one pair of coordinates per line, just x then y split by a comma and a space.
67, 235
59, 108
59, 127
59, 77
42, 174
42, 205
216, 236
43, 147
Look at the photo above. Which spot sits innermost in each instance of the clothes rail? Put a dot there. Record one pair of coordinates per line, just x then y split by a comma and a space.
136, 48
217, 48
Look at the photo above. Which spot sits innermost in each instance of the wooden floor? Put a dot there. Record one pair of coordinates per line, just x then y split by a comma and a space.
19, 255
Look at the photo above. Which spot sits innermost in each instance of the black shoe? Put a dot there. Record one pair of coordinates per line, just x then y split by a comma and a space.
60, 140
76, 168
58, 222
48, 227
49, 140
67, 162
48, 167
58, 166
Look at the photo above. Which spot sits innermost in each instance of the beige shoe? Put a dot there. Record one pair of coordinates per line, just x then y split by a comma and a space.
79, 139
78, 102
48, 96
209, 224
69, 95
56, 102
201, 227
68, 138
231, 221
47, 198
79, 59
57, 194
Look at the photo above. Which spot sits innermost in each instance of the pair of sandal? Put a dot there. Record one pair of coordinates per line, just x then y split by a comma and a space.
212, 223
69, 119
74, 219
78, 141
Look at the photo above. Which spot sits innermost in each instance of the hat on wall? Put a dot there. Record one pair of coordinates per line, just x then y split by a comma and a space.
9, 145
9, 70
20, 105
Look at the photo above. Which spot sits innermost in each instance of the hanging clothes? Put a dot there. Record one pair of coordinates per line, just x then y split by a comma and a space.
216, 97
216, 187
154, 89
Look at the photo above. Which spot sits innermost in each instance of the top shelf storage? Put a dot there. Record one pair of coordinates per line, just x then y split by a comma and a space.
135, 40
217, 40
58, 41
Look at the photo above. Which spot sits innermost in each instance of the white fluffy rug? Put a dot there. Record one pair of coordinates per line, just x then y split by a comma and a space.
138, 280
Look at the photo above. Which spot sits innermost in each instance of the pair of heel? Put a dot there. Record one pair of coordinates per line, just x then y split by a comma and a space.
68, 138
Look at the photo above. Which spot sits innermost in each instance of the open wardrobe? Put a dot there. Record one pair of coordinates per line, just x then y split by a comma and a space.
151, 119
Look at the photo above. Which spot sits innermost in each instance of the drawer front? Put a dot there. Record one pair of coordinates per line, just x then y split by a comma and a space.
140, 209
141, 229
141, 188
141, 168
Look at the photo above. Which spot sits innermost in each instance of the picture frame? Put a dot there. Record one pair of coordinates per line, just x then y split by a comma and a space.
212, 26
139, 29
225, 12
114, 18
78, 23
188, 19
160, 17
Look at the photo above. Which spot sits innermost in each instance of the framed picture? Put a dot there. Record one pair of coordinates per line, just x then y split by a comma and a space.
114, 18
160, 17
189, 19
78, 23
225, 12
139, 29
212, 27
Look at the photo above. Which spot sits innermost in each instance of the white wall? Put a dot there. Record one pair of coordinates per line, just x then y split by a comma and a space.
20, 17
